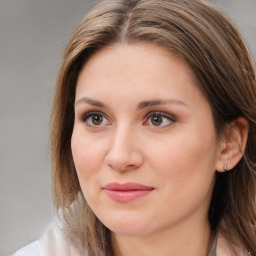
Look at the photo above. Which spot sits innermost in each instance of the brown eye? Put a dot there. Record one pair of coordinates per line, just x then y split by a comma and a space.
159, 120
97, 119
156, 120
94, 119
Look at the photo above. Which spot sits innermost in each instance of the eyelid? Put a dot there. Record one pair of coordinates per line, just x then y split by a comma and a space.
85, 116
162, 113
171, 117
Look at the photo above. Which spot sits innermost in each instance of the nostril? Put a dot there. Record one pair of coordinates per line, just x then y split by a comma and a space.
124, 162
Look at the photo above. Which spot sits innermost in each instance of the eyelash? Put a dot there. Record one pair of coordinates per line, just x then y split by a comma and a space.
85, 117
171, 119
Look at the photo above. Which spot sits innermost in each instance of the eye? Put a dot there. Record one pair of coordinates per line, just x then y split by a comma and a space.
94, 119
159, 119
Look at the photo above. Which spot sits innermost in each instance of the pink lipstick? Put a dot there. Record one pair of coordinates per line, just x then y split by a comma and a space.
126, 192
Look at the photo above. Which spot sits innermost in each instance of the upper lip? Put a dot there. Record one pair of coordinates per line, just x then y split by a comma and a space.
126, 186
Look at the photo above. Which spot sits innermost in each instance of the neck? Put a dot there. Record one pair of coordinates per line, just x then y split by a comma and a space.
176, 241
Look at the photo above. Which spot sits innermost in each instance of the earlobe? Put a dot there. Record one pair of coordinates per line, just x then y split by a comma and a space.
232, 146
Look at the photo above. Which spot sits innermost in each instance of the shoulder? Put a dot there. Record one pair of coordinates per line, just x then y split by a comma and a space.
32, 249
52, 243
224, 249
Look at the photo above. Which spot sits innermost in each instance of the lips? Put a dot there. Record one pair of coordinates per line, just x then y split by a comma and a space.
126, 192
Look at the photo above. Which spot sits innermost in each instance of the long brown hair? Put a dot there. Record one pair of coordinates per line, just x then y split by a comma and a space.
206, 39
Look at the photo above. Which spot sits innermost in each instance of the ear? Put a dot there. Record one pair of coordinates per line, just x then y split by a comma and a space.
233, 145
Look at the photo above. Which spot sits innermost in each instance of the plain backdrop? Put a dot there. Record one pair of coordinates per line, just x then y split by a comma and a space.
33, 34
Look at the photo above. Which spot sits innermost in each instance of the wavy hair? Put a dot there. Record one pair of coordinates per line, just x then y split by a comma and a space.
205, 38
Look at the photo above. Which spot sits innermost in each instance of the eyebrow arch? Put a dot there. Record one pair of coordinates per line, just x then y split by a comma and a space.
145, 104
141, 105
91, 102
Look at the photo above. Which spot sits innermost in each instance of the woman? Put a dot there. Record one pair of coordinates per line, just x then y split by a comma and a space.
153, 134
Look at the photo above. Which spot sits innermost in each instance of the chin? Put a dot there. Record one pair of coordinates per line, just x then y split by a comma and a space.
127, 227
129, 231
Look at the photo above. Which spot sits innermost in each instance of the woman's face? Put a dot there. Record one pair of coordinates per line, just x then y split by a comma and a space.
144, 143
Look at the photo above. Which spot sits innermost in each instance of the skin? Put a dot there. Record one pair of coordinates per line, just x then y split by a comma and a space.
177, 158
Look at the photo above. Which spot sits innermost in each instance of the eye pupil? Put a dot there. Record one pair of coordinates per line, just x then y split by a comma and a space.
156, 120
97, 119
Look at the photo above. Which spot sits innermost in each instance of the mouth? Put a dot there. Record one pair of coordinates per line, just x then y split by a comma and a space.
126, 192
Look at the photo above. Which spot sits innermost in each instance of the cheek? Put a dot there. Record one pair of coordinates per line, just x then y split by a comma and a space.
86, 155
186, 176
186, 160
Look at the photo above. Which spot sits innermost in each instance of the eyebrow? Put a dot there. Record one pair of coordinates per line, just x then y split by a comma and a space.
141, 105
91, 102
145, 104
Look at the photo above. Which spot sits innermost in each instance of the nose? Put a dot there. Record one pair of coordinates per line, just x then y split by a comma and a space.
124, 153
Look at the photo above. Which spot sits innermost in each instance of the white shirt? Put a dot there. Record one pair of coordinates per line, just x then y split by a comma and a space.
53, 243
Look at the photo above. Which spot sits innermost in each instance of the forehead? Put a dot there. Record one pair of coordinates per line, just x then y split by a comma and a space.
138, 64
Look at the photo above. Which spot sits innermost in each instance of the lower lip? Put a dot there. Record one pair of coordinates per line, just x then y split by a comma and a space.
124, 196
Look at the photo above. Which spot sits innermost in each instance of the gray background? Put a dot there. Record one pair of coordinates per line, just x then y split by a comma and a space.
33, 34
